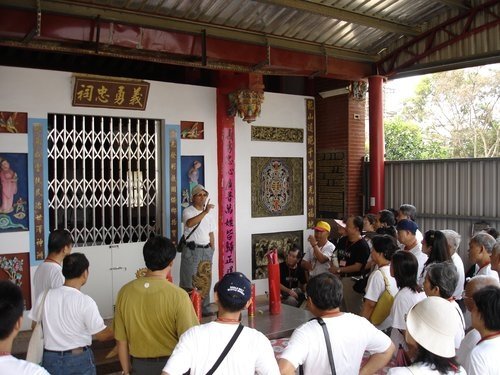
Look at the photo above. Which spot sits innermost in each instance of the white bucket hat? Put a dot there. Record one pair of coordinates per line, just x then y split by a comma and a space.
433, 323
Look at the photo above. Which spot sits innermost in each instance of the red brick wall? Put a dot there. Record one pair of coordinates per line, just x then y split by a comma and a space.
338, 130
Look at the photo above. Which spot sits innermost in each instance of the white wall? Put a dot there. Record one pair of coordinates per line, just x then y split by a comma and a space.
40, 92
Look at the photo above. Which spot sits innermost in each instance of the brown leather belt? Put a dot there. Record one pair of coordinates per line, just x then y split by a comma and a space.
79, 350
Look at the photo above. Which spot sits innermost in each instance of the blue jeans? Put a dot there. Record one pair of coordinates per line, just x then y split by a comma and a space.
69, 364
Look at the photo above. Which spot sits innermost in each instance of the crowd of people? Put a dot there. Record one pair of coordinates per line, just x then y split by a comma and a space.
380, 286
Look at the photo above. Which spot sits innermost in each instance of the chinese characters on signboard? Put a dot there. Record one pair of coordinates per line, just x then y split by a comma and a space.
228, 259
109, 93
172, 152
38, 188
310, 158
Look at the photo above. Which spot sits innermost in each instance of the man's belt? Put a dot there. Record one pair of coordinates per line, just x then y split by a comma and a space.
152, 359
191, 244
79, 350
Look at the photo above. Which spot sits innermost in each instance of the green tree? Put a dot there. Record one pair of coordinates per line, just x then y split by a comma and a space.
403, 140
461, 108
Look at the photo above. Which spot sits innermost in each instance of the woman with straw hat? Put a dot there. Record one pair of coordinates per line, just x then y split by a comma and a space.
430, 331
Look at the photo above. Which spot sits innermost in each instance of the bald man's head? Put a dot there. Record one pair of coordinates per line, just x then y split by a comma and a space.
475, 284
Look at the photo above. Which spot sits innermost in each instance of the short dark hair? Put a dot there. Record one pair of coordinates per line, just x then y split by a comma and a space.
371, 218
357, 221
387, 218
74, 265
158, 253
492, 232
325, 291
58, 239
11, 307
390, 231
441, 364
444, 275
487, 301
409, 210
385, 244
405, 268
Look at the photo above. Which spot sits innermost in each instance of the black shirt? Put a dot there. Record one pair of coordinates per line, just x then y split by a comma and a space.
292, 278
357, 252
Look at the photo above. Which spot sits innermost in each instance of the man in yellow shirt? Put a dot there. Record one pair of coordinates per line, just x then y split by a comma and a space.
151, 313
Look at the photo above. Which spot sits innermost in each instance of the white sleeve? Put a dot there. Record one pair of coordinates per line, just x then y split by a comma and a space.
328, 250
399, 371
378, 342
266, 363
56, 279
375, 286
92, 318
308, 255
296, 351
477, 364
180, 360
398, 313
33, 313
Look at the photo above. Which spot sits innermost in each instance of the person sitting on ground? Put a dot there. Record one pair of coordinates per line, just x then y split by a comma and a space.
440, 281
430, 332
483, 359
320, 251
69, 319
11, 316
350, 336
292, 279
453, 240
435, 246
49, 275
480, 250
409, 242
151, 313
409, 212
404, 268
200, 347
352, 262
383, 249
473, 336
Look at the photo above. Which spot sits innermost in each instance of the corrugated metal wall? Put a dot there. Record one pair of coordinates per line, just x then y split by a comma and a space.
449, 194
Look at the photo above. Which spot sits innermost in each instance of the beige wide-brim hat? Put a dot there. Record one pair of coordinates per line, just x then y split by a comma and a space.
433, 323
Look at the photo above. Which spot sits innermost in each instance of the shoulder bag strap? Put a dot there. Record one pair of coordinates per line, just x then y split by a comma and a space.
196, 227
328, 345
226, 350
386, 282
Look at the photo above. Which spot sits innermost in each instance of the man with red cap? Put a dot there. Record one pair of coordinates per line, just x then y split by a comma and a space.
318, 255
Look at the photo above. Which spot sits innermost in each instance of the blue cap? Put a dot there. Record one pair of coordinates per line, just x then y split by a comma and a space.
234, 288
408, 225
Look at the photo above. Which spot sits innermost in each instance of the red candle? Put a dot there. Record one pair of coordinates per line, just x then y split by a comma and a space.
251, 308
273, 269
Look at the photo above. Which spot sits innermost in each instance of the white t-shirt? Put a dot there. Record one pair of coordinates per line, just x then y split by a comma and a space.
483, 359
70, 318
421, 369
207, 225
10, 365
376, 286
457, 261
199, 348
421, 257
403, 302
487, 271
317, 267
468, 343
48, 275
350, 337
460, 331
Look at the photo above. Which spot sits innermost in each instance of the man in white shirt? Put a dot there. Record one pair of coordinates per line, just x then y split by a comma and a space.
196, 260
453, 239
480, 250
318, 255
409, 212
407, 230
11, 318
49, 275
483, 359
200, 347
472, 337
350, 336
69, 320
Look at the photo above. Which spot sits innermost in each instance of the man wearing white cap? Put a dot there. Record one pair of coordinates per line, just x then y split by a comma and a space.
430, 330
196, 259
319, 253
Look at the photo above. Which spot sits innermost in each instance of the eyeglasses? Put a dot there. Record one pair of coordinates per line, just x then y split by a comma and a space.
201, 195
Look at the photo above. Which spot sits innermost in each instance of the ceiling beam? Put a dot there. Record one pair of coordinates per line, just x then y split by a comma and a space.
459, 4
193, 27
345, 15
